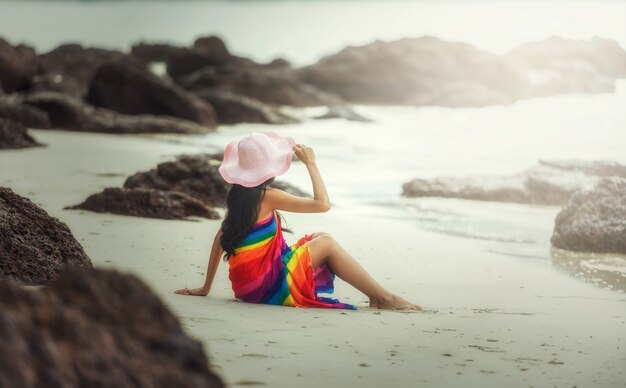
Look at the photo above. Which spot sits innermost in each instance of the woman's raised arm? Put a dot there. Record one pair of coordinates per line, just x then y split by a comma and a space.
278, 199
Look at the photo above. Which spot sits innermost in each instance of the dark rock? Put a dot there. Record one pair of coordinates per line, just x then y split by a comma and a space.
206, 51
232, 108
417, 71
96, 328
145, 202
556, 65
69, 68
214, 47
73, 114
15, 135
195, 175
344, 112
549, 183
34, 247
11, 107
153, 52
594, 220
185, 61
126, 87
17, 67
271, 85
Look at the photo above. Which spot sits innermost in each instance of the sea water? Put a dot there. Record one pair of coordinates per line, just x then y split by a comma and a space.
365, 164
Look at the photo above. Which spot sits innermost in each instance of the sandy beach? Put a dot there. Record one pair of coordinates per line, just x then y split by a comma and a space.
494, 320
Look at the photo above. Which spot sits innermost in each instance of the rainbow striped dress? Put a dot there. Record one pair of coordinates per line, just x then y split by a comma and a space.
264, 269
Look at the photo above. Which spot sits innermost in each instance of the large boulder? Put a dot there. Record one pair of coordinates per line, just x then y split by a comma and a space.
96, 328
34, 247
556, 65
146, 202
548, 183
129, 88
18, 67
232, 108
15, 135
594, 220
417, 71
73, 114
69, 67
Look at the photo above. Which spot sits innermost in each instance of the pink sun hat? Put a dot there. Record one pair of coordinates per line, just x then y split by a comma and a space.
256, 158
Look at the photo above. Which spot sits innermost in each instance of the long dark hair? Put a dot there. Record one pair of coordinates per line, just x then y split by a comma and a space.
242, 210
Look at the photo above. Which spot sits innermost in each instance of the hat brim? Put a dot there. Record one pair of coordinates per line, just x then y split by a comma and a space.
231, 171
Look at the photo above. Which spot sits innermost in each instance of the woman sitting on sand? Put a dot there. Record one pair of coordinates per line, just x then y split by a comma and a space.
262, 267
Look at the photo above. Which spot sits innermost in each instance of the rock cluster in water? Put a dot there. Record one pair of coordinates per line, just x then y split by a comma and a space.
34, 247
96, 328
548, 183
594, 220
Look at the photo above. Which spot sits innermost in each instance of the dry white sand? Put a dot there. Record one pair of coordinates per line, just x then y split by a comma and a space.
501, 321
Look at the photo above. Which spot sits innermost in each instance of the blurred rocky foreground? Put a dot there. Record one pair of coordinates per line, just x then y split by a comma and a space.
81, 327
95, 328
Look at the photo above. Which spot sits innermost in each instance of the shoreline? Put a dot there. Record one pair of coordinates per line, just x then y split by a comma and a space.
500, 320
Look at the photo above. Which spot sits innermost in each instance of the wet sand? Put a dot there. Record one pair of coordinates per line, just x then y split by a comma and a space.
495, 320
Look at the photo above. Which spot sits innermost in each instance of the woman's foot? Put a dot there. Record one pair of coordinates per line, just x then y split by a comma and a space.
393, 302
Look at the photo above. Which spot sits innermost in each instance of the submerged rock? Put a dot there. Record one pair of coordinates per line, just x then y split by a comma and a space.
14, 135
594, 220
549, 183
344, 112
130, 88
606, 270
73, 114
34, 247
145, 202
96, 328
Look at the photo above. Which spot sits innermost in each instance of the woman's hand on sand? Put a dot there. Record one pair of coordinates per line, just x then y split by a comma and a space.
305, 154
192, 291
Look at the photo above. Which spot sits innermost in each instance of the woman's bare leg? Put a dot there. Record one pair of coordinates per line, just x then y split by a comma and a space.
324, 249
